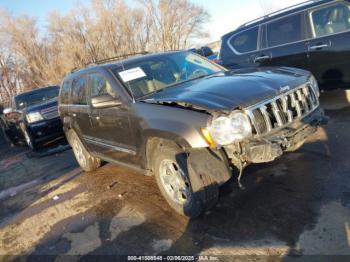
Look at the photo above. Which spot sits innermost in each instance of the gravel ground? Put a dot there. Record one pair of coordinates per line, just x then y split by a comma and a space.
297, 207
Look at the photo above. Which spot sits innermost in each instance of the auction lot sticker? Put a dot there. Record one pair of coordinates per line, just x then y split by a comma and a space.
132, 74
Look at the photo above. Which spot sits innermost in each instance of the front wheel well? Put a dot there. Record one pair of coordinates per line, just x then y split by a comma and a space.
152, 145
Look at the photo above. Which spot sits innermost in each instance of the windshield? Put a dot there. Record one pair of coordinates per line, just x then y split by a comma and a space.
29, 99
158, 73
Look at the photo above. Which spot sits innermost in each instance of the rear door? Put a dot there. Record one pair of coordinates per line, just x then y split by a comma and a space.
284, 42
114, 136
329, 50
79, 112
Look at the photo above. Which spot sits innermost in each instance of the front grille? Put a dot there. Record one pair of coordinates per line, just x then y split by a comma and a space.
282, 110
50, 113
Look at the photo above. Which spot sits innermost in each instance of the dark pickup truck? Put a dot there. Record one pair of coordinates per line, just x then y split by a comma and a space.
34, 115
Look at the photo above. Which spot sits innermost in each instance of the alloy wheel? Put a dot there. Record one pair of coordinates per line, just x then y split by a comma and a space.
28, 139
78, 151
175, 182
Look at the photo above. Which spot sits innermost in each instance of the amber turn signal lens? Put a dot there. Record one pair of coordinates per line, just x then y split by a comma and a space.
208, 137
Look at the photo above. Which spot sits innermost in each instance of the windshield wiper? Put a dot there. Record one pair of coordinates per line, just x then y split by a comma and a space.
188, 80
152, 93
178, 83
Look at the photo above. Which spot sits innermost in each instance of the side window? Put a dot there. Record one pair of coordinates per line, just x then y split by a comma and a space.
100, 86
246, 41
331, 20
64, 97
79, 91
285, 30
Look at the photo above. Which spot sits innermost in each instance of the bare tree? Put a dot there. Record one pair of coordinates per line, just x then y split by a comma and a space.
33, 58
174, 23
10, 70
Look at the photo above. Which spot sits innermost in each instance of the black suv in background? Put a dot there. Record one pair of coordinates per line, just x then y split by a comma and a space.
35, 115
187, 121
314, 35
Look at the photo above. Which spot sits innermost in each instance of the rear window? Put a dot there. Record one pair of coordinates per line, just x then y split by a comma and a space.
79, 91
331, 20
246, 41
64, 96
285, 30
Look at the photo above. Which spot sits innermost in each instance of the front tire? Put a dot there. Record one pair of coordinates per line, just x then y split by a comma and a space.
173, 179
86, 161
296, 146
29, 140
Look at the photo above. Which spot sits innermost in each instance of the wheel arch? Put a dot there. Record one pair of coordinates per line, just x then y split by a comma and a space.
153, 140
68, 131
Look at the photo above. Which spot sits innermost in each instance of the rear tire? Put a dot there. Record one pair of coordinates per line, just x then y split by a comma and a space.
86, 161
172, 174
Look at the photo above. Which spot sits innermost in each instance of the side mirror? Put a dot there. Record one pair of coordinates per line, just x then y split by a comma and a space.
104, 101
7, 111
205, 51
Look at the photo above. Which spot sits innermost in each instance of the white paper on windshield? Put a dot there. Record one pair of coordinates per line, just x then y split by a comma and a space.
132, 74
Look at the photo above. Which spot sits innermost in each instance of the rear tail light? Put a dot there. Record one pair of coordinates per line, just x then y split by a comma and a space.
216, 60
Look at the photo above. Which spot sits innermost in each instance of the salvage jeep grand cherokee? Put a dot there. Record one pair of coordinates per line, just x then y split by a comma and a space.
187, 121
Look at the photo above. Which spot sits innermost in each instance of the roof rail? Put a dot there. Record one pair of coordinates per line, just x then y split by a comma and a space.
110, 59
279, 12
75, 69
115, 58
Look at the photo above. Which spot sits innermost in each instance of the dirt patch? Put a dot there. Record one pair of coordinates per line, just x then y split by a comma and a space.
289, 207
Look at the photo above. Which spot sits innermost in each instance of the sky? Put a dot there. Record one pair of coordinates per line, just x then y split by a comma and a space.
226, 15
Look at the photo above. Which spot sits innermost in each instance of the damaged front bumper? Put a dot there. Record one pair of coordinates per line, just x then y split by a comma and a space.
220, 163
263, 149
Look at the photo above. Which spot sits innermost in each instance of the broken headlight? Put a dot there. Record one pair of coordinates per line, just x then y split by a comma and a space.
314, 85
228, 129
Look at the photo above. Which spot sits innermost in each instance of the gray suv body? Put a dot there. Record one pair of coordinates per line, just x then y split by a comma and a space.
187, 121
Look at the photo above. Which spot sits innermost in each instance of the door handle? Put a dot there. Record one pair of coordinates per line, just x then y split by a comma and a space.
261, 58
320, 46
96, 117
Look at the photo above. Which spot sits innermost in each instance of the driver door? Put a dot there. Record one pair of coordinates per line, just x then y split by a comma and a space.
113, 136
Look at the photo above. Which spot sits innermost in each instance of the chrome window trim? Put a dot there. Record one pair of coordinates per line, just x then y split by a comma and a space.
234, 35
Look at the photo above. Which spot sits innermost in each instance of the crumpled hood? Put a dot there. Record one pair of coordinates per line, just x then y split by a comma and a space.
232, 89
